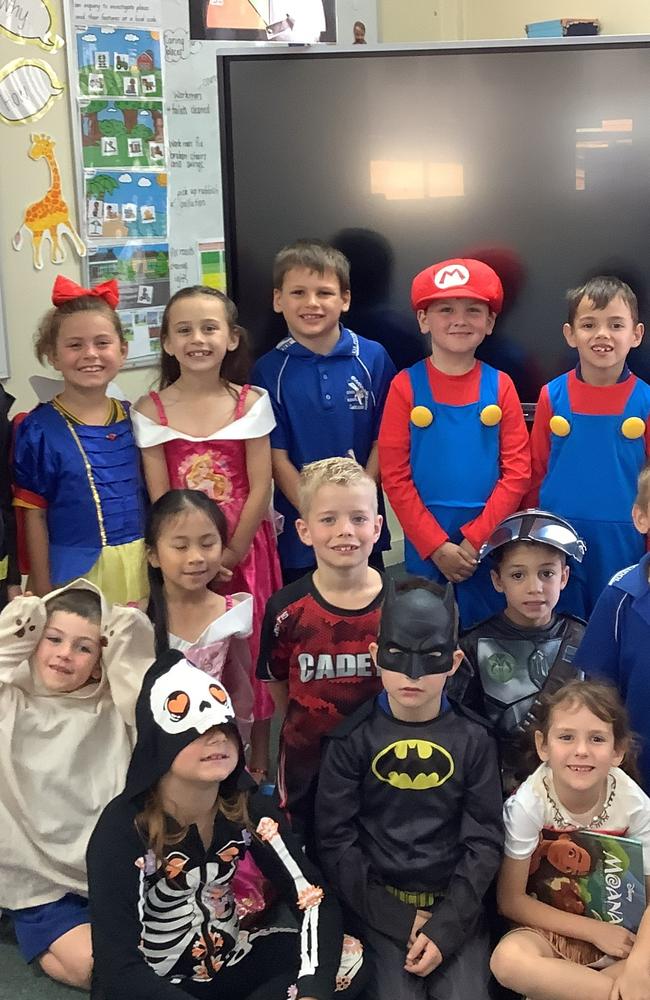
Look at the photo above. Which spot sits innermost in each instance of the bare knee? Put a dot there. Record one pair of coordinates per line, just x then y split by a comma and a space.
505, 960
69, 959
72, 972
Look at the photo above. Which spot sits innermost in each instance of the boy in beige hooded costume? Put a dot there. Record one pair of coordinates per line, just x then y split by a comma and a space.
71, 668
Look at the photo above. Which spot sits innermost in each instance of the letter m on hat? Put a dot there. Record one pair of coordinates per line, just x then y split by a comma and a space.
451, 276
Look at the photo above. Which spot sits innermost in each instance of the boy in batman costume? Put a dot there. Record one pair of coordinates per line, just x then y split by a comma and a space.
408, 811
528, 649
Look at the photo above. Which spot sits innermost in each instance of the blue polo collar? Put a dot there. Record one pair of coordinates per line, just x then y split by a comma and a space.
346, 346
634, 581
623, 377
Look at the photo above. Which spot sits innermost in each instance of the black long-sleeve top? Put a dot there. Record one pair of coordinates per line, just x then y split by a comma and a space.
155, 925
416, 806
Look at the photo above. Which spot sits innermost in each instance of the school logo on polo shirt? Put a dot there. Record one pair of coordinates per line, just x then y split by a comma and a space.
357, 395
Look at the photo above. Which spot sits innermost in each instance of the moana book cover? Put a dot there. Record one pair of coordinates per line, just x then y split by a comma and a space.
593, 874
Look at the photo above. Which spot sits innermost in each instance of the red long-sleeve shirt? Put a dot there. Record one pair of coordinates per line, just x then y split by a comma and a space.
420, 526
583, 398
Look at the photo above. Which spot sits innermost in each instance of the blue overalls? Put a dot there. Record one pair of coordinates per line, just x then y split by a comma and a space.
591, 480
455, 467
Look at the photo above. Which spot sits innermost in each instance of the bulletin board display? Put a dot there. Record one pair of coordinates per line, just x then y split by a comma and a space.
116, 87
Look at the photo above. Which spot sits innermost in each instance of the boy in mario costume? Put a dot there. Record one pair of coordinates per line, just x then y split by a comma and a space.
453, 445
591, 437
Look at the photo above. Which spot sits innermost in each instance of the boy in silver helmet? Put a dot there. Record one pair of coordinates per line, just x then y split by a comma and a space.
528, 648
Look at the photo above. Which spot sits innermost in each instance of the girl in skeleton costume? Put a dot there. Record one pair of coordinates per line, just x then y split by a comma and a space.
162, 859
70, 672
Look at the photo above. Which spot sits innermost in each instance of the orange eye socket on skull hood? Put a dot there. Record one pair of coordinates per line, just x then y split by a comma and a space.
178, 705
218, 694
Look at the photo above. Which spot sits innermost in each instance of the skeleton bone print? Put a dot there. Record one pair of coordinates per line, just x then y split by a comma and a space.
189, 912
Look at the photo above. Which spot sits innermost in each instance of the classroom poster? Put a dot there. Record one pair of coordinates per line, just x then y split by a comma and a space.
142, 271
117, 134
123, 205
112, 12
195, 202
119, 63
212, 259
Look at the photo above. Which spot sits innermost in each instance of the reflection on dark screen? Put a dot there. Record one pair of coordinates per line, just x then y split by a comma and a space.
536, 161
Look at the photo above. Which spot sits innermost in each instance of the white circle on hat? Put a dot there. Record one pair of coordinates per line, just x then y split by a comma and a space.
451, 275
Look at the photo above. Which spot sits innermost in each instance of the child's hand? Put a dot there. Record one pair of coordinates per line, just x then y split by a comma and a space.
229, 560
632, 984
423, 956
469, 549
224, 575
421, 918
454, 562
613, 939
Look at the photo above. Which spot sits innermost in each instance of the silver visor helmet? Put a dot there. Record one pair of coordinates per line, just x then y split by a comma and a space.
536, 526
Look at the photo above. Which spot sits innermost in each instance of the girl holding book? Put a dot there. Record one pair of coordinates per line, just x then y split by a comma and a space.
555, 954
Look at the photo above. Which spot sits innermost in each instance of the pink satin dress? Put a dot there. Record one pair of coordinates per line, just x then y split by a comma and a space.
217, 467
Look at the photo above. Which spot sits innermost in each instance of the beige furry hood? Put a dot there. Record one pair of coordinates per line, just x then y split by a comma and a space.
63, 756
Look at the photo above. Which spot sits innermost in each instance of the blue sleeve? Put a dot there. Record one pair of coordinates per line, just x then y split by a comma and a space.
599, 652
264, 376
34, 467
384, 372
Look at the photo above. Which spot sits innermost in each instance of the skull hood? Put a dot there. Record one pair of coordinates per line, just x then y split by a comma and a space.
178, 703
417, 634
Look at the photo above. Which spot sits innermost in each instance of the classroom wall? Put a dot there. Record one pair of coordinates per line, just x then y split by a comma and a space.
403, 21
447, 20
507, 18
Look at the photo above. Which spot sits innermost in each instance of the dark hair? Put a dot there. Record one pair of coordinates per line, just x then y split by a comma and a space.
600, 291
171, 504
498, 555
315, 255
407, 583
85, 603
603, 701
49, 327
236, 364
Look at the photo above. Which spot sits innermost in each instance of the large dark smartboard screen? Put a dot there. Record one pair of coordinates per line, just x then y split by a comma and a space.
536, 159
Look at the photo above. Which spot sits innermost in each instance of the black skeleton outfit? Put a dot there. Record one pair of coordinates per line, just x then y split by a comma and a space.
165, 925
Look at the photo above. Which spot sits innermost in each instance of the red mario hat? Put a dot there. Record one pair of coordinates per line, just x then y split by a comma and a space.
460, 278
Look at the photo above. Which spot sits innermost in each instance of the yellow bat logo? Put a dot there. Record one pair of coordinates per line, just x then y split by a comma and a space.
413, 764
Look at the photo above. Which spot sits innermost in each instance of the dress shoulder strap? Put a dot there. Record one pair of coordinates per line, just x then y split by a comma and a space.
160, 409
241, 402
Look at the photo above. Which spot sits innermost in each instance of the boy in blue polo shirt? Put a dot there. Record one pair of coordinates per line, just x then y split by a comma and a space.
327, 385
615, 645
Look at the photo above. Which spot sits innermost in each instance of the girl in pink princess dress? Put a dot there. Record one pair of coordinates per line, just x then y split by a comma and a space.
207, 430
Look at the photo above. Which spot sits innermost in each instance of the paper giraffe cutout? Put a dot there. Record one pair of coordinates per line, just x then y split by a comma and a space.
50, 216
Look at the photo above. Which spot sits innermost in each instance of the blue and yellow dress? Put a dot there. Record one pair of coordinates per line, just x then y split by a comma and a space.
89, 480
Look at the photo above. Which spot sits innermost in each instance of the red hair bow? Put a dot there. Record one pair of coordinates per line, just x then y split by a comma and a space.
65, 290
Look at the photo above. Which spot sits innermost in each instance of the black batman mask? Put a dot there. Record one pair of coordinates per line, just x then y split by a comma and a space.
417, 634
